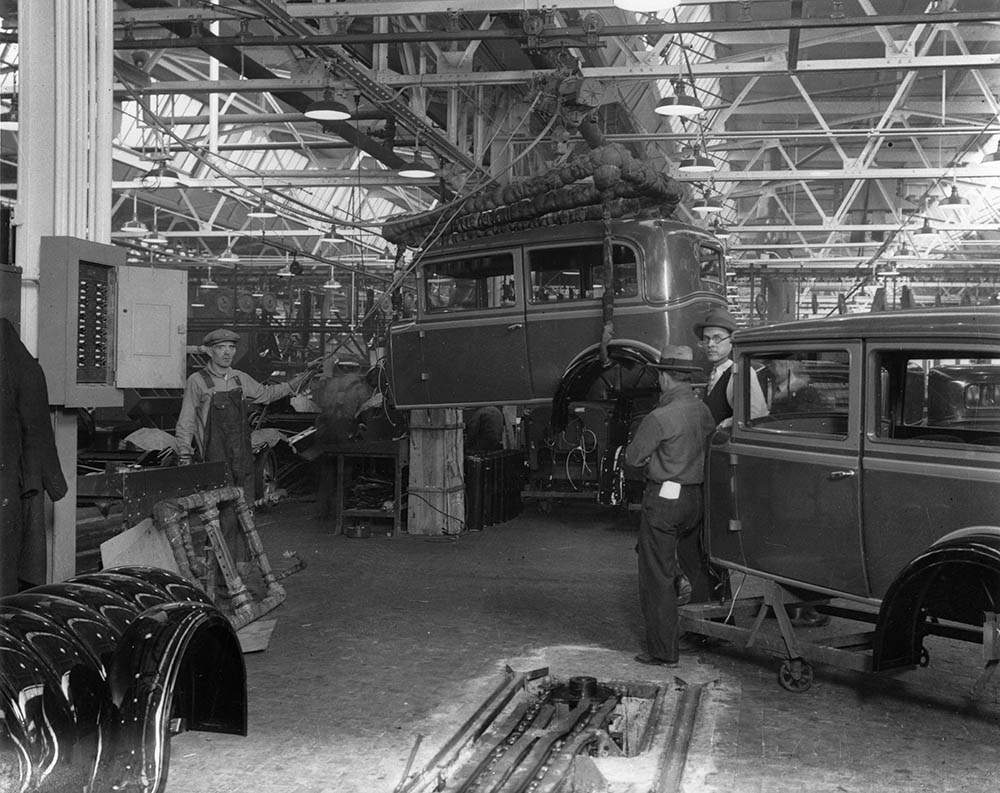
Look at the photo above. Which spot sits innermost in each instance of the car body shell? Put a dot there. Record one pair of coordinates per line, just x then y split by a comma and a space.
892, 495
520, 350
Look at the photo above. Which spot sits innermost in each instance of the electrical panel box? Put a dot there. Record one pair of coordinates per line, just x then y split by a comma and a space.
152, 327
76, 323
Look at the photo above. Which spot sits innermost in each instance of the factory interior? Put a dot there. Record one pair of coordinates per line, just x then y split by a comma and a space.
456, 254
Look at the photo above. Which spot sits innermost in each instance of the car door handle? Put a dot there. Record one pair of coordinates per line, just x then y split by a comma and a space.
842, 474
515, 326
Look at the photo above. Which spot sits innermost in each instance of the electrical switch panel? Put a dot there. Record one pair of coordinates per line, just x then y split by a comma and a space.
77, 321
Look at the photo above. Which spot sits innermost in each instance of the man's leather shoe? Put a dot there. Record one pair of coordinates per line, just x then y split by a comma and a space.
652, 660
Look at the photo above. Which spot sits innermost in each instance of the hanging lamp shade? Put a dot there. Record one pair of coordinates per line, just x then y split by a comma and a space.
155, 238
721, 230
681, 104
333, 283
954, 202
262, 210
135, 227
926, 235
327, 109
228, 256
697, 162
707, 205
417, 169
161, 175
208, 283
333, 235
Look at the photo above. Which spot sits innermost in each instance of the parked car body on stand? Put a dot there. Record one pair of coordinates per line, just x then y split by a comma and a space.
874, 480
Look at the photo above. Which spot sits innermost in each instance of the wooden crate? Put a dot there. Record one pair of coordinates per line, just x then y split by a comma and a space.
436, 500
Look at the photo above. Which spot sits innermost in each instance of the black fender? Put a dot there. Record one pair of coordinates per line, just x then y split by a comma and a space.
92, 684
587, 366
956, 579
179, 666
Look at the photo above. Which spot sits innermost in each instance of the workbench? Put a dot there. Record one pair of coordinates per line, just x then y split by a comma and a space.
396, 450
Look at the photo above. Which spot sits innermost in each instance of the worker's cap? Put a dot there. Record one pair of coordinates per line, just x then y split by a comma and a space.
716, 318
677, 358
218, 336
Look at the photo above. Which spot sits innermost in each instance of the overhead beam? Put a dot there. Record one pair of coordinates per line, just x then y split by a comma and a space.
556, 34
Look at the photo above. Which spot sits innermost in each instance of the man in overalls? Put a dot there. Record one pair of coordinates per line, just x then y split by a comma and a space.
213, 423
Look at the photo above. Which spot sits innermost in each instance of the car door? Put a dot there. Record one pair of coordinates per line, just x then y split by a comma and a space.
932, 459
785, 487
471, 330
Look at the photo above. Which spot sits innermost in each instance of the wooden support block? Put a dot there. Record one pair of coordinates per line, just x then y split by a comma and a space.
436, 494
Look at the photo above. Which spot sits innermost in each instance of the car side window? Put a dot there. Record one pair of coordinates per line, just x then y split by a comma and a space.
806, 391
576, 272
469, 283
938, 397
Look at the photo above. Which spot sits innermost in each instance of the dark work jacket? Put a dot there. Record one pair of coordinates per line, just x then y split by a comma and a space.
29, 462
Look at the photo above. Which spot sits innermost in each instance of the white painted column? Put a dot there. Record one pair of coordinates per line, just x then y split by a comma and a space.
63, 183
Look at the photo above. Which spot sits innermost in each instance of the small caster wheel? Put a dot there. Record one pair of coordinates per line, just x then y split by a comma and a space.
925, 657
795, 675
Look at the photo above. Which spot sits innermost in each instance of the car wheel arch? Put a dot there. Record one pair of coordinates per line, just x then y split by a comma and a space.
957, 578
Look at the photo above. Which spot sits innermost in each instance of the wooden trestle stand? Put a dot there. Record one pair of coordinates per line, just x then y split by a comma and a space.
239, 604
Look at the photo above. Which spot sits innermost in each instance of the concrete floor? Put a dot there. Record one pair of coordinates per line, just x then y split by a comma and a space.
383, 639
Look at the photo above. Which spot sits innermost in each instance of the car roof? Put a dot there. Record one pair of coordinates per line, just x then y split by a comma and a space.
586, 231
964, 324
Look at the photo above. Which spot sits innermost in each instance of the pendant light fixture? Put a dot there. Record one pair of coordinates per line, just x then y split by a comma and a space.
135, 226
954, 202
262, 210
332, 235
680, 105
418, 167
333, 283
696, 162
228, 256
707, 204
327, 109
286, 270
154, 237
926, 236
208, 283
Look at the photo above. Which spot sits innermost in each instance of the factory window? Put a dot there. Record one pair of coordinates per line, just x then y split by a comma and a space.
806, 391
474, 282
938, 397
576, 272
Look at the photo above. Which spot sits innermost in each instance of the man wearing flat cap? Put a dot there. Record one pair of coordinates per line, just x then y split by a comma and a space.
669, 446
213, 420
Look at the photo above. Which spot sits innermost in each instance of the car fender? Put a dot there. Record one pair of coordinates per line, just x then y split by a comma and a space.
956, 579
586, 366
177, 666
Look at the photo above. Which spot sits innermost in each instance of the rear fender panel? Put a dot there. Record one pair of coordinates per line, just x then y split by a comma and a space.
957, 579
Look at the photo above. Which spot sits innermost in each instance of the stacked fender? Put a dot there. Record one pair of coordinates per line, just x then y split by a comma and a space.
96, 674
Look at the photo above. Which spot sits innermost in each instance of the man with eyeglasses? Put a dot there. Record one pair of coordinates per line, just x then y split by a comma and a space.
715, 332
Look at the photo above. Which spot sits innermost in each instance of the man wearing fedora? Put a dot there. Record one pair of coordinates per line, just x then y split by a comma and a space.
715, 333
669, 446
715, 337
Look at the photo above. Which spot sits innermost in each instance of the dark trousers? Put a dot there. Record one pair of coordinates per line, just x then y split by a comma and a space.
668, 534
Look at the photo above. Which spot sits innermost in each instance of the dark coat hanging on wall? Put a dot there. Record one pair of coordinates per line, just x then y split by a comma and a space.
29, 463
